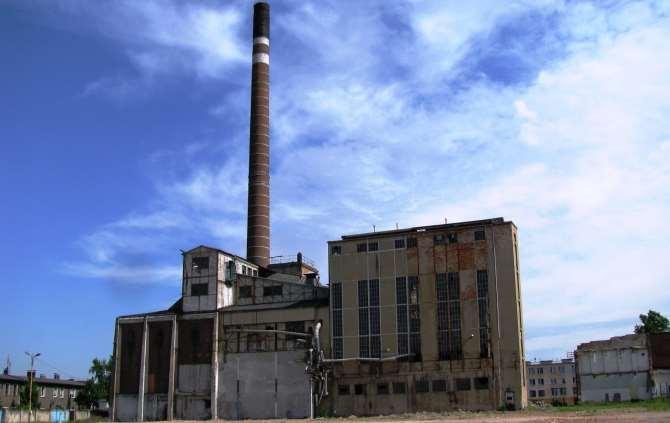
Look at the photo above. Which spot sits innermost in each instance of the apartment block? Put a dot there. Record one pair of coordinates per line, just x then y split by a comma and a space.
552, 382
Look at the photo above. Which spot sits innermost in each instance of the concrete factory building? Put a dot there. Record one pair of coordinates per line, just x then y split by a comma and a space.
425, 318
552, 382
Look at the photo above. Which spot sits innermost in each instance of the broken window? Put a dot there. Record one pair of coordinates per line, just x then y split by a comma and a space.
480, 235
272, 291
399, 243
411, 242
368, 319
440, 385
421, 386
362, 247
463, 384
343, 389
408, 319
246, 291
373, 246
200, 263
453, 238
298, 327
382, 389
360, 389
483, 304
336, 250
481, 383
399, 387
199, 289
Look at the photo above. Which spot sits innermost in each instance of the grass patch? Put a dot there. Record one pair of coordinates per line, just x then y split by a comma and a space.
659, 404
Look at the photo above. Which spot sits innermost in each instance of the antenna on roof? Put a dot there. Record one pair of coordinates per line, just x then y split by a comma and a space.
445, 220
374, 228
396, 225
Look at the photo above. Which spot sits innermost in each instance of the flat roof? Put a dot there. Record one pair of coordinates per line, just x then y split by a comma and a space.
42, 380
443, 226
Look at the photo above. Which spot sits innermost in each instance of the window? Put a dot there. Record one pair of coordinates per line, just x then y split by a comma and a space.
373, 246
198, 289
246, 291
361, 248
438, 240
272, 291
244, 269
481, 383
554, 392
453, 238
540, 381
449, 316
399, 243
561, 369
55, 392
73, 393
421, 386
336, 250
408, 321
440, 385
62, 392
360, 389
533, 394
336, 305
563, 381
540, 371
483, 305
200, 263
399, 387
254, 272
343, 390
563, 391
43, 392
480, 235
540, 393
553, 381
411, 243
382, 389
532, 382
369, 340
463, 384
298, 327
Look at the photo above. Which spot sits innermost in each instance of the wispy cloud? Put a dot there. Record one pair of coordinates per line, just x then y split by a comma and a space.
411, 112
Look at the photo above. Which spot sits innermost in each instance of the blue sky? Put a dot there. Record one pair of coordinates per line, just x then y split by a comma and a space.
124, 130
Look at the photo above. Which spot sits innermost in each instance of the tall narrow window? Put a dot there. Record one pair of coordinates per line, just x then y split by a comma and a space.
402, 323
336, 301
369, 341
448, 316
483, 303
408, 317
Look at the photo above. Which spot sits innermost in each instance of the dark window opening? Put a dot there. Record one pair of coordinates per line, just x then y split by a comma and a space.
336, 250
453, 238
361, 248
438, 240
343, 390
272, 291
200, 263
382, 389
298, 327
481, 383
360, 389
373, 246
246, 291
480, 235
399, 243
440, 385
399, 387
463, 384
199, 289
421, 386
411, 243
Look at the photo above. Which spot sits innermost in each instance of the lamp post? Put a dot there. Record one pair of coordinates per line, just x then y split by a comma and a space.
30, 382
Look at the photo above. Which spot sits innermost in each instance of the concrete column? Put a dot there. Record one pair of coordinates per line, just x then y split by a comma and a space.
143, 371
173, 364
215, 368
117, 369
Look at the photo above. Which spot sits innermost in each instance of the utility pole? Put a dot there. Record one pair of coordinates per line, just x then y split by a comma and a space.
30, 382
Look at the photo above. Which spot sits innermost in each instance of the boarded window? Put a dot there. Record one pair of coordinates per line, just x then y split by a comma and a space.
336, 250
481, 383
421, 386
399, 387
272, 291
382, 389
480, 235
200, 263
361, 248
343, 390
198, 289
246, 291
440, 385
463, 384
399, 243
360, 389
411, 243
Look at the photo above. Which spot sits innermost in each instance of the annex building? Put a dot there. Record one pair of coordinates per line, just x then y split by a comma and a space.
423, 318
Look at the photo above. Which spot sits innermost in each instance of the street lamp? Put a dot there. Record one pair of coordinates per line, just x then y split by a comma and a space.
30, 382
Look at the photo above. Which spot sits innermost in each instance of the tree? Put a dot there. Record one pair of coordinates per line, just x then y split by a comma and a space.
97, 387
24, 394
653, 322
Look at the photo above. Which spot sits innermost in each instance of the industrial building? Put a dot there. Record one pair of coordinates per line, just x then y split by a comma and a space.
552, 382
624, 368
428, 317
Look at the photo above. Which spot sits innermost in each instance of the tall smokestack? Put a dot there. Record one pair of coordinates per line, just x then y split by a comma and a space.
258, 211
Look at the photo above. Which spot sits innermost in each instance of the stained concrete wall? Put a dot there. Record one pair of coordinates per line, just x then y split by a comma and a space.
263, 385
602, 388
126, 407
660, 383
155, 407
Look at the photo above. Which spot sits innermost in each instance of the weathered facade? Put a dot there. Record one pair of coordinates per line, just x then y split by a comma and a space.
226, 349
624, 368
427, 318
53, 392
552, 382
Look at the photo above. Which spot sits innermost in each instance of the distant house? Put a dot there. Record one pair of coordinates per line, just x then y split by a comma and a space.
624, 368
551, 381
53, 392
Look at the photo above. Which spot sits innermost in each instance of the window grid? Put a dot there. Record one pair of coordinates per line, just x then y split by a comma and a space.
408, 321
336, 301
369, 340
483, 304
448, 316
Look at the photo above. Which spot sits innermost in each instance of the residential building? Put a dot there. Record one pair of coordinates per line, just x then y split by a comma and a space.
53, 392
427, 318
551, 381
624, 368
